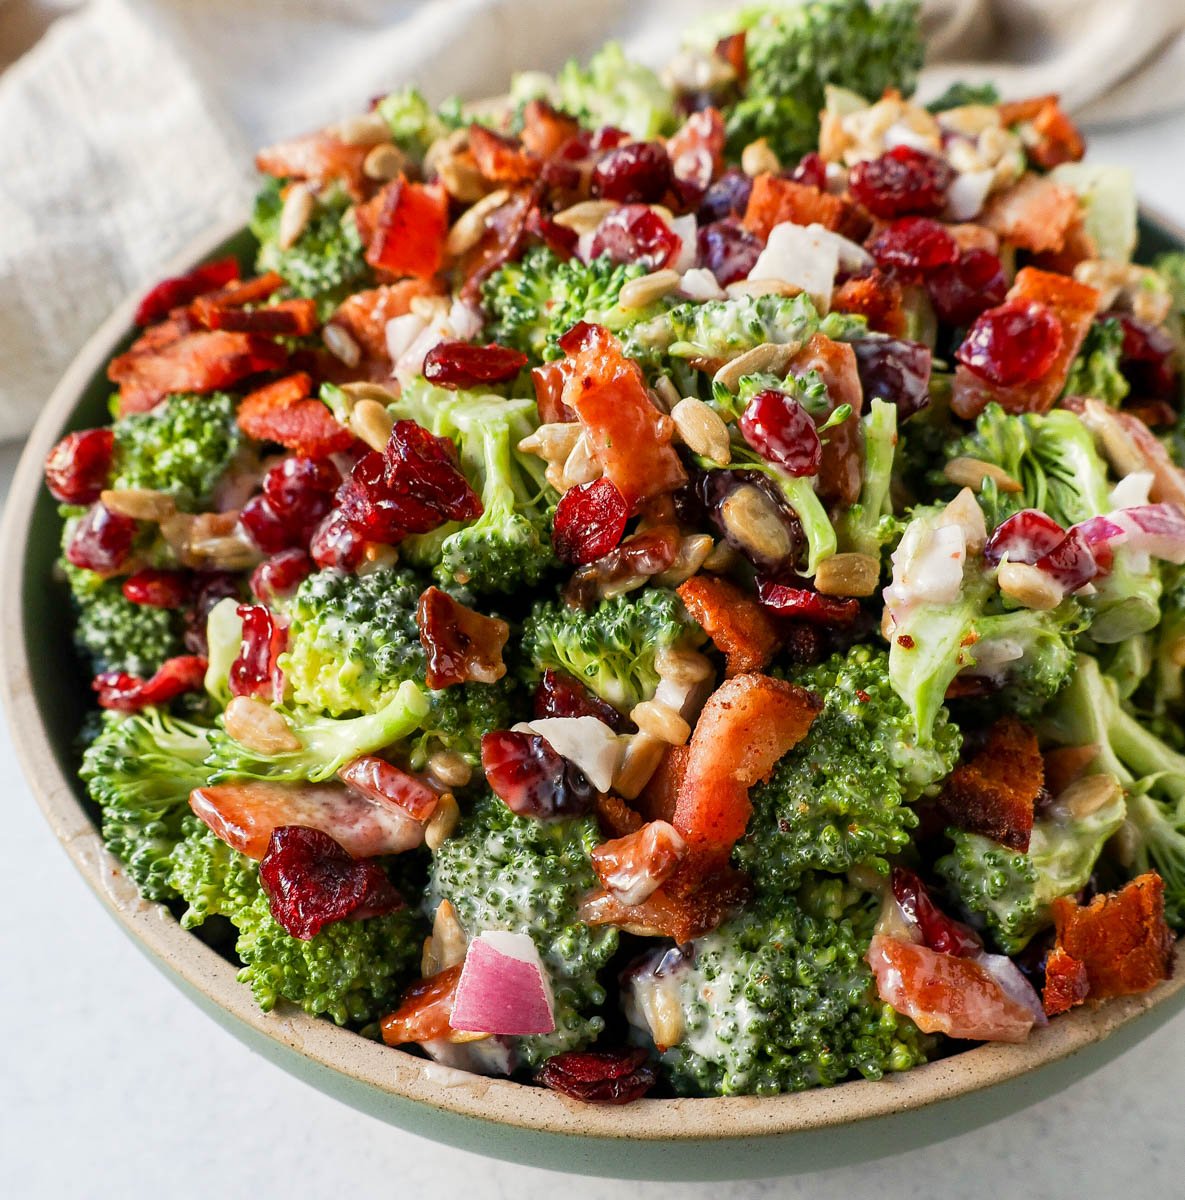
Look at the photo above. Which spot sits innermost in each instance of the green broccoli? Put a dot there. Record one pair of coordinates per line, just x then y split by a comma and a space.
838, 799
1159, 693
509, 545
352, 971
611, 649
779, 999
414, 124
960, 95
113, 634
182, 447
1095, 372
870, 525
140, 770
1171, 269
610, 90
520, 875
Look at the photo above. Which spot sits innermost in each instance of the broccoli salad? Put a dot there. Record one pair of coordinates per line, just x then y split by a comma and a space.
666, 584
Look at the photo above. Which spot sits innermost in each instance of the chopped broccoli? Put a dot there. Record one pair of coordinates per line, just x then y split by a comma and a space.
1159, 689
870, 525
519, 875
182, 447
352, 971
140, 770
611, 649
779, 999
113, 634
414, 124
960, 95
1171, 268
1095, 372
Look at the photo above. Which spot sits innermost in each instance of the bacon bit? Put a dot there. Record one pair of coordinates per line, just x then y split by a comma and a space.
410, 224
633, 867
1066, 764
1066, 982
235, 295
318, 157
732, 50
629, 437
461, 645
739, 627
1074, 304
1078, 247
545, 130
660, 796
284, 412
1119, 938
506, 230
774, 200
129, 693
501, 159
364, 315
615, 817
1033, 214
181, 289
548, 381
746, 726
1156, 414
876, 297
378, 779
424, 1014
1057, 137
993, 792
288, 318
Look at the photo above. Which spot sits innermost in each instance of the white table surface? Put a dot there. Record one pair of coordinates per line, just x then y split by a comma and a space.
113, 1085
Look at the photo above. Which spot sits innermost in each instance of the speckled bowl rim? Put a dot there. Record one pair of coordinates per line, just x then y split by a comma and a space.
393, 1071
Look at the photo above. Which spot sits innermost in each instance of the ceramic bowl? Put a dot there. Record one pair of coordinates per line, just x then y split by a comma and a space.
45, 696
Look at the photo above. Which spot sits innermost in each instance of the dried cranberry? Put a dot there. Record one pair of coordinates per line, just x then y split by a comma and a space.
561, 240
337, 544
1013, 344
101, 541
727, 197
254, 670
1148, 361
728, 250
461, 365
940, 932
599, 1076
311, 881
589, 521
265, 527
300, 490
128, 693
181, 289
1142, 342
1071, 562
531, 779
281, 574
636, 173
1024, 537
560, 695
782, 432
208, 588
801, 604
76, 469
961, 291
157, 588
607, 137
900, 182
642, 555
914, 246
636, 234
812, 171
895, 371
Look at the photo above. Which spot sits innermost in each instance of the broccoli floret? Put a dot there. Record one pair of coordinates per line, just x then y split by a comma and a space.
140, 770
533, 302
611, 649
520, 875
113, 634
414, 124
794, 52
839, 798
610, 90
352, 971
779, 999
1158, 663
959, 95
327, 262
1095, 372
869, 525
182, 447
1171, 268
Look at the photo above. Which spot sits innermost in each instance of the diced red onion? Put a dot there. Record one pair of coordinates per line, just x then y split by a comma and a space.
504, 988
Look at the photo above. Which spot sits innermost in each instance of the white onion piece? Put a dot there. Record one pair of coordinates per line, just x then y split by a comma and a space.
902, 134
504, 988
1131, 490
490, 1056
928, 569
700, 284
686, 230
585, 741
401, 332
804, 256
967, 195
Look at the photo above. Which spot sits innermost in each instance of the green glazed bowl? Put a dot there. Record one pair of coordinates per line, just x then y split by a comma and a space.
46, 696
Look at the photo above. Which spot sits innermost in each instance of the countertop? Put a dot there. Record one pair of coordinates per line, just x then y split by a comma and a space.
112, 1084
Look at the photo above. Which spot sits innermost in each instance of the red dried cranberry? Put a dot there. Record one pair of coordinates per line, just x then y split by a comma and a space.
300, 491
254, 670
812, 171
207, 589
727, 197
181, 289
636, 173
1013, 344
801, 604
76, 469
386, 783
914, 246
461, 365
647, 553
1142, 342
561, 240
128, 693
940, 932
560, 695
311, 881
599, 1076
1148, 361
337, 544
1071, 563
101, 541
728, 250
157, 589
608, 137
782, 432
281, 574
265, 527
895, 371
589, 521
900, 182
961, 291
1024, 537
531, 779
636, 234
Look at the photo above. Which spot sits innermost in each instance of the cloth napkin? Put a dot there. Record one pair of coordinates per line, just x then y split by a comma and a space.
127, 129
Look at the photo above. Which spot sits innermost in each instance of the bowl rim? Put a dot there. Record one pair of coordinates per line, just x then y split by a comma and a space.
394, 1071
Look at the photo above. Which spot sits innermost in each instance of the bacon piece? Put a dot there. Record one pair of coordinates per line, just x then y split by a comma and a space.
171, 293
506, 230
365, 314
381, 781
660, 796
1057, 138
1066, 982
288, 318
774, 200
970, 236
548, 381
1033, 214
460, 645
319, 157
501, 159
1120, 939
992, 793
629, 437
1065, 764
284, 412
545, 130
423, 1015
235, 295
748, 723
244, 814
875, 296
1125, 437
410, 224
739, 627
634, 866
129, 693
1074, 304
615, 817
1077, 247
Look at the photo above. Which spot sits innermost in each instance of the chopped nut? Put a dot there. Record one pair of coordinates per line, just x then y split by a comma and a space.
667, 393
552, 442
585, 216
693, 549
972, 472
720, 559
443, 822
758, 159
848, 575
341, 345
660, 721
370, 421
141, 504
258, 726
447, 945
384, 163
773, 357
1028, 586
762, 287
471, 225
749, 516
449, 768
580, 466
702, 430
369, 391
1088, 794
364, 129
294, 216
462, 179
665, 1018
638, 293
682, 666
638, 764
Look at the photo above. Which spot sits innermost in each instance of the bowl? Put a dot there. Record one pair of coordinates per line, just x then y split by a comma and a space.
693, 1139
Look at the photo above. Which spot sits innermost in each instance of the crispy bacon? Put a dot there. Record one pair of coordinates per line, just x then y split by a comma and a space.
875, 296
501, 159
1129, 435
181, 289
1066, 982
739, 627
288, 318
386, 783
235, 295
1077, 247
774, 200
1033, 214
424, 1014
614, 816
632, 867
284, 412
1057, 137
1064, 764
319, 157
364, 315
410, 224
545, 130
548, 381
660, 796
507, 227
460, 645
